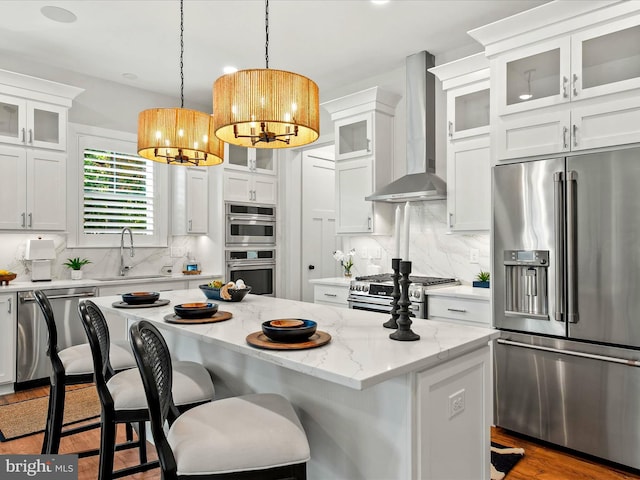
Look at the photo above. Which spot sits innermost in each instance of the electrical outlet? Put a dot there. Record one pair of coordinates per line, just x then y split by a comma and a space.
474, 255
177, 252
376, 253
456, 403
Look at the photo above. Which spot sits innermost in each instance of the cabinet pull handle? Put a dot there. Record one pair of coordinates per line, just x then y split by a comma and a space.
24, 220
9, 309
30, 220
369, 223
565, 80
190, 225
459, 310
30, 136
368, 145
575, 135
450, 220
575, 85
450, 129
565, 130
24, 136
330, 295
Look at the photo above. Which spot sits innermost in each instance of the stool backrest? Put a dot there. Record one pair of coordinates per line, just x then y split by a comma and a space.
154, 362
97, 330
52, 351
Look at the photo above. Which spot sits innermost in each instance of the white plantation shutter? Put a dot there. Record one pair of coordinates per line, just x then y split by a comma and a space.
118, 193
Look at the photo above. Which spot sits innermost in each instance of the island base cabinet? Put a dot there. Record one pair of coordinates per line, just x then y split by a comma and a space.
453, 404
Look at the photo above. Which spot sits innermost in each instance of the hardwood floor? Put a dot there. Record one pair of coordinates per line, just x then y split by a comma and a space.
541, 461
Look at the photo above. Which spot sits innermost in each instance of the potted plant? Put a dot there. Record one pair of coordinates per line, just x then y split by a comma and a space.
482, 279
75, 264
346, 260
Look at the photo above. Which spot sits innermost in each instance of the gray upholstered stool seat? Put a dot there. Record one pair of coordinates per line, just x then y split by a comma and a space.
250, 432
191, 384
77, 360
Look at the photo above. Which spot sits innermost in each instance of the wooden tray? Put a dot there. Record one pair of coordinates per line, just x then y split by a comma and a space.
219, 316
158, 303
260, 340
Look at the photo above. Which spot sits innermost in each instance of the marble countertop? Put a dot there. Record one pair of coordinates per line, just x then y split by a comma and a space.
16, 286
334, 281
462, 291
359, 355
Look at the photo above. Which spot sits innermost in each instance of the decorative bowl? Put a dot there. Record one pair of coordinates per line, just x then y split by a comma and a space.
196, 310
140, 298
289, 330
6, 278
214, 293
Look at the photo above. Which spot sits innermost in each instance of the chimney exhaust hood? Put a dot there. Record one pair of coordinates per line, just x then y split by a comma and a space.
420, 183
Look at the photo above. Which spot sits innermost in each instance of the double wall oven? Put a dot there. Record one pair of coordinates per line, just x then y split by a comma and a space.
250, 239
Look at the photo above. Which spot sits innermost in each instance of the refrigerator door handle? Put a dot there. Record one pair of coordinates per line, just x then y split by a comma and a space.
558, 202
572, 252
605, 358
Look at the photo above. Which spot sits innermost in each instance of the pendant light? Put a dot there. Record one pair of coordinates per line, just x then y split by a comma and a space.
266, 108
179, 136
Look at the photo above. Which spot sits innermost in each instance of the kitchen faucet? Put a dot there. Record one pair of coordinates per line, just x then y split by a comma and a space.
124, 268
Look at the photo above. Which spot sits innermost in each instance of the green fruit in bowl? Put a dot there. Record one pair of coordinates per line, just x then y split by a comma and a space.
216, 284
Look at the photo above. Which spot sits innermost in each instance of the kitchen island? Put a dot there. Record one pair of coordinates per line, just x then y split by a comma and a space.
373, 408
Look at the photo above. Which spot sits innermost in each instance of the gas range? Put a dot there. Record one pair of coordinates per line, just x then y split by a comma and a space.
373, 292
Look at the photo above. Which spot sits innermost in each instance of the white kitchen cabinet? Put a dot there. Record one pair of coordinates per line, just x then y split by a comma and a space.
335, 295
364, 125
567, 86
249, 187
33, 192
466, 82
190, 206
254, 160
7, 340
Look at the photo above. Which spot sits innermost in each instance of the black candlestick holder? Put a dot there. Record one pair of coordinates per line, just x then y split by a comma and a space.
395, 294
404, 332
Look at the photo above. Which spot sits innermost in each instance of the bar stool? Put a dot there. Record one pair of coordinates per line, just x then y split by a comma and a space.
122, 396
71, 366
257, 436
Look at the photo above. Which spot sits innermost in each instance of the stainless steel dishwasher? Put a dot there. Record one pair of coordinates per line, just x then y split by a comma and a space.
32, 363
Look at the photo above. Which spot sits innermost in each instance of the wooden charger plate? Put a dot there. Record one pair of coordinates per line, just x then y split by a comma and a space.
219, 316
158, 303
260, 340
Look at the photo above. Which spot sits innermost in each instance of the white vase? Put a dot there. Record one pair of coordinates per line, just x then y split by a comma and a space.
76, 274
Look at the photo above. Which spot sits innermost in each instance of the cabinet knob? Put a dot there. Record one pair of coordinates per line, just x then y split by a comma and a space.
311, 267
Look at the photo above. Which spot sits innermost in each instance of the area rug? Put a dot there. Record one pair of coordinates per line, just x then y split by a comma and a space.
30, 416
503, 459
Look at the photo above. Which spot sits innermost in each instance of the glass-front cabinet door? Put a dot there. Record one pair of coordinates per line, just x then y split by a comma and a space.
354, 137
606, 59
468, 110
535, 76
259, 160
34, 124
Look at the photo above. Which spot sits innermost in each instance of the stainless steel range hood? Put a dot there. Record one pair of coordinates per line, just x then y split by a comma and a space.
420, 183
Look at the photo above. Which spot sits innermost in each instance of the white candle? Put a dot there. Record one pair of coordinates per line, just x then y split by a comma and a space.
396, 253
407, 222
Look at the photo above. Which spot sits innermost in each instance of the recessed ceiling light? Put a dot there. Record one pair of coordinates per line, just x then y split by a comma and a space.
229, 69
58, 14
379, 2
130, 76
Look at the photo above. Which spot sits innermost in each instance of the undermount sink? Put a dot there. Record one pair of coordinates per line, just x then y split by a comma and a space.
131, 277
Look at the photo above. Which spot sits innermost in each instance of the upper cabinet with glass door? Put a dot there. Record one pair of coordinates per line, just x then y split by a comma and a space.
256, 160
33, 112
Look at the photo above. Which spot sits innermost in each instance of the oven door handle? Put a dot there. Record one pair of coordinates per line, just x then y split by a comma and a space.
251, 219
250, 265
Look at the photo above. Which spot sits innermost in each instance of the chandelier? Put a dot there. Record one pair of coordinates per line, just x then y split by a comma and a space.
179, 136
266, 108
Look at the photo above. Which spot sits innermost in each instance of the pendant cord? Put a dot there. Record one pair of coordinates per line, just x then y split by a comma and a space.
266, 32
181, 54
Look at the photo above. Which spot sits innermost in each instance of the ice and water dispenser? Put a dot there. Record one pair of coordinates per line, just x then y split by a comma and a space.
526, 275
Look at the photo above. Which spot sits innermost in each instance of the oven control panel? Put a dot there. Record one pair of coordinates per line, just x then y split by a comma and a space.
416, 291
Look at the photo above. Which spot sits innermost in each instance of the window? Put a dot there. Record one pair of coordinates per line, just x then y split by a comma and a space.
118, 193
115, 189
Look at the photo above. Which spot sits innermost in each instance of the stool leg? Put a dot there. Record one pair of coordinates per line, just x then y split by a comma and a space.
142, 438
129, 431
53, 430
107, 447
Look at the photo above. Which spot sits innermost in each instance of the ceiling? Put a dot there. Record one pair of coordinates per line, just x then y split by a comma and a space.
334, 42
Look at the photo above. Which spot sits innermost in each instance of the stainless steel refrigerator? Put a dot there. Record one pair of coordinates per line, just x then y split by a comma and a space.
566, 293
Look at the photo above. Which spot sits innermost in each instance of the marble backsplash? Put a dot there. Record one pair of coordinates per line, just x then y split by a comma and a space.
104, 261
433, 251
